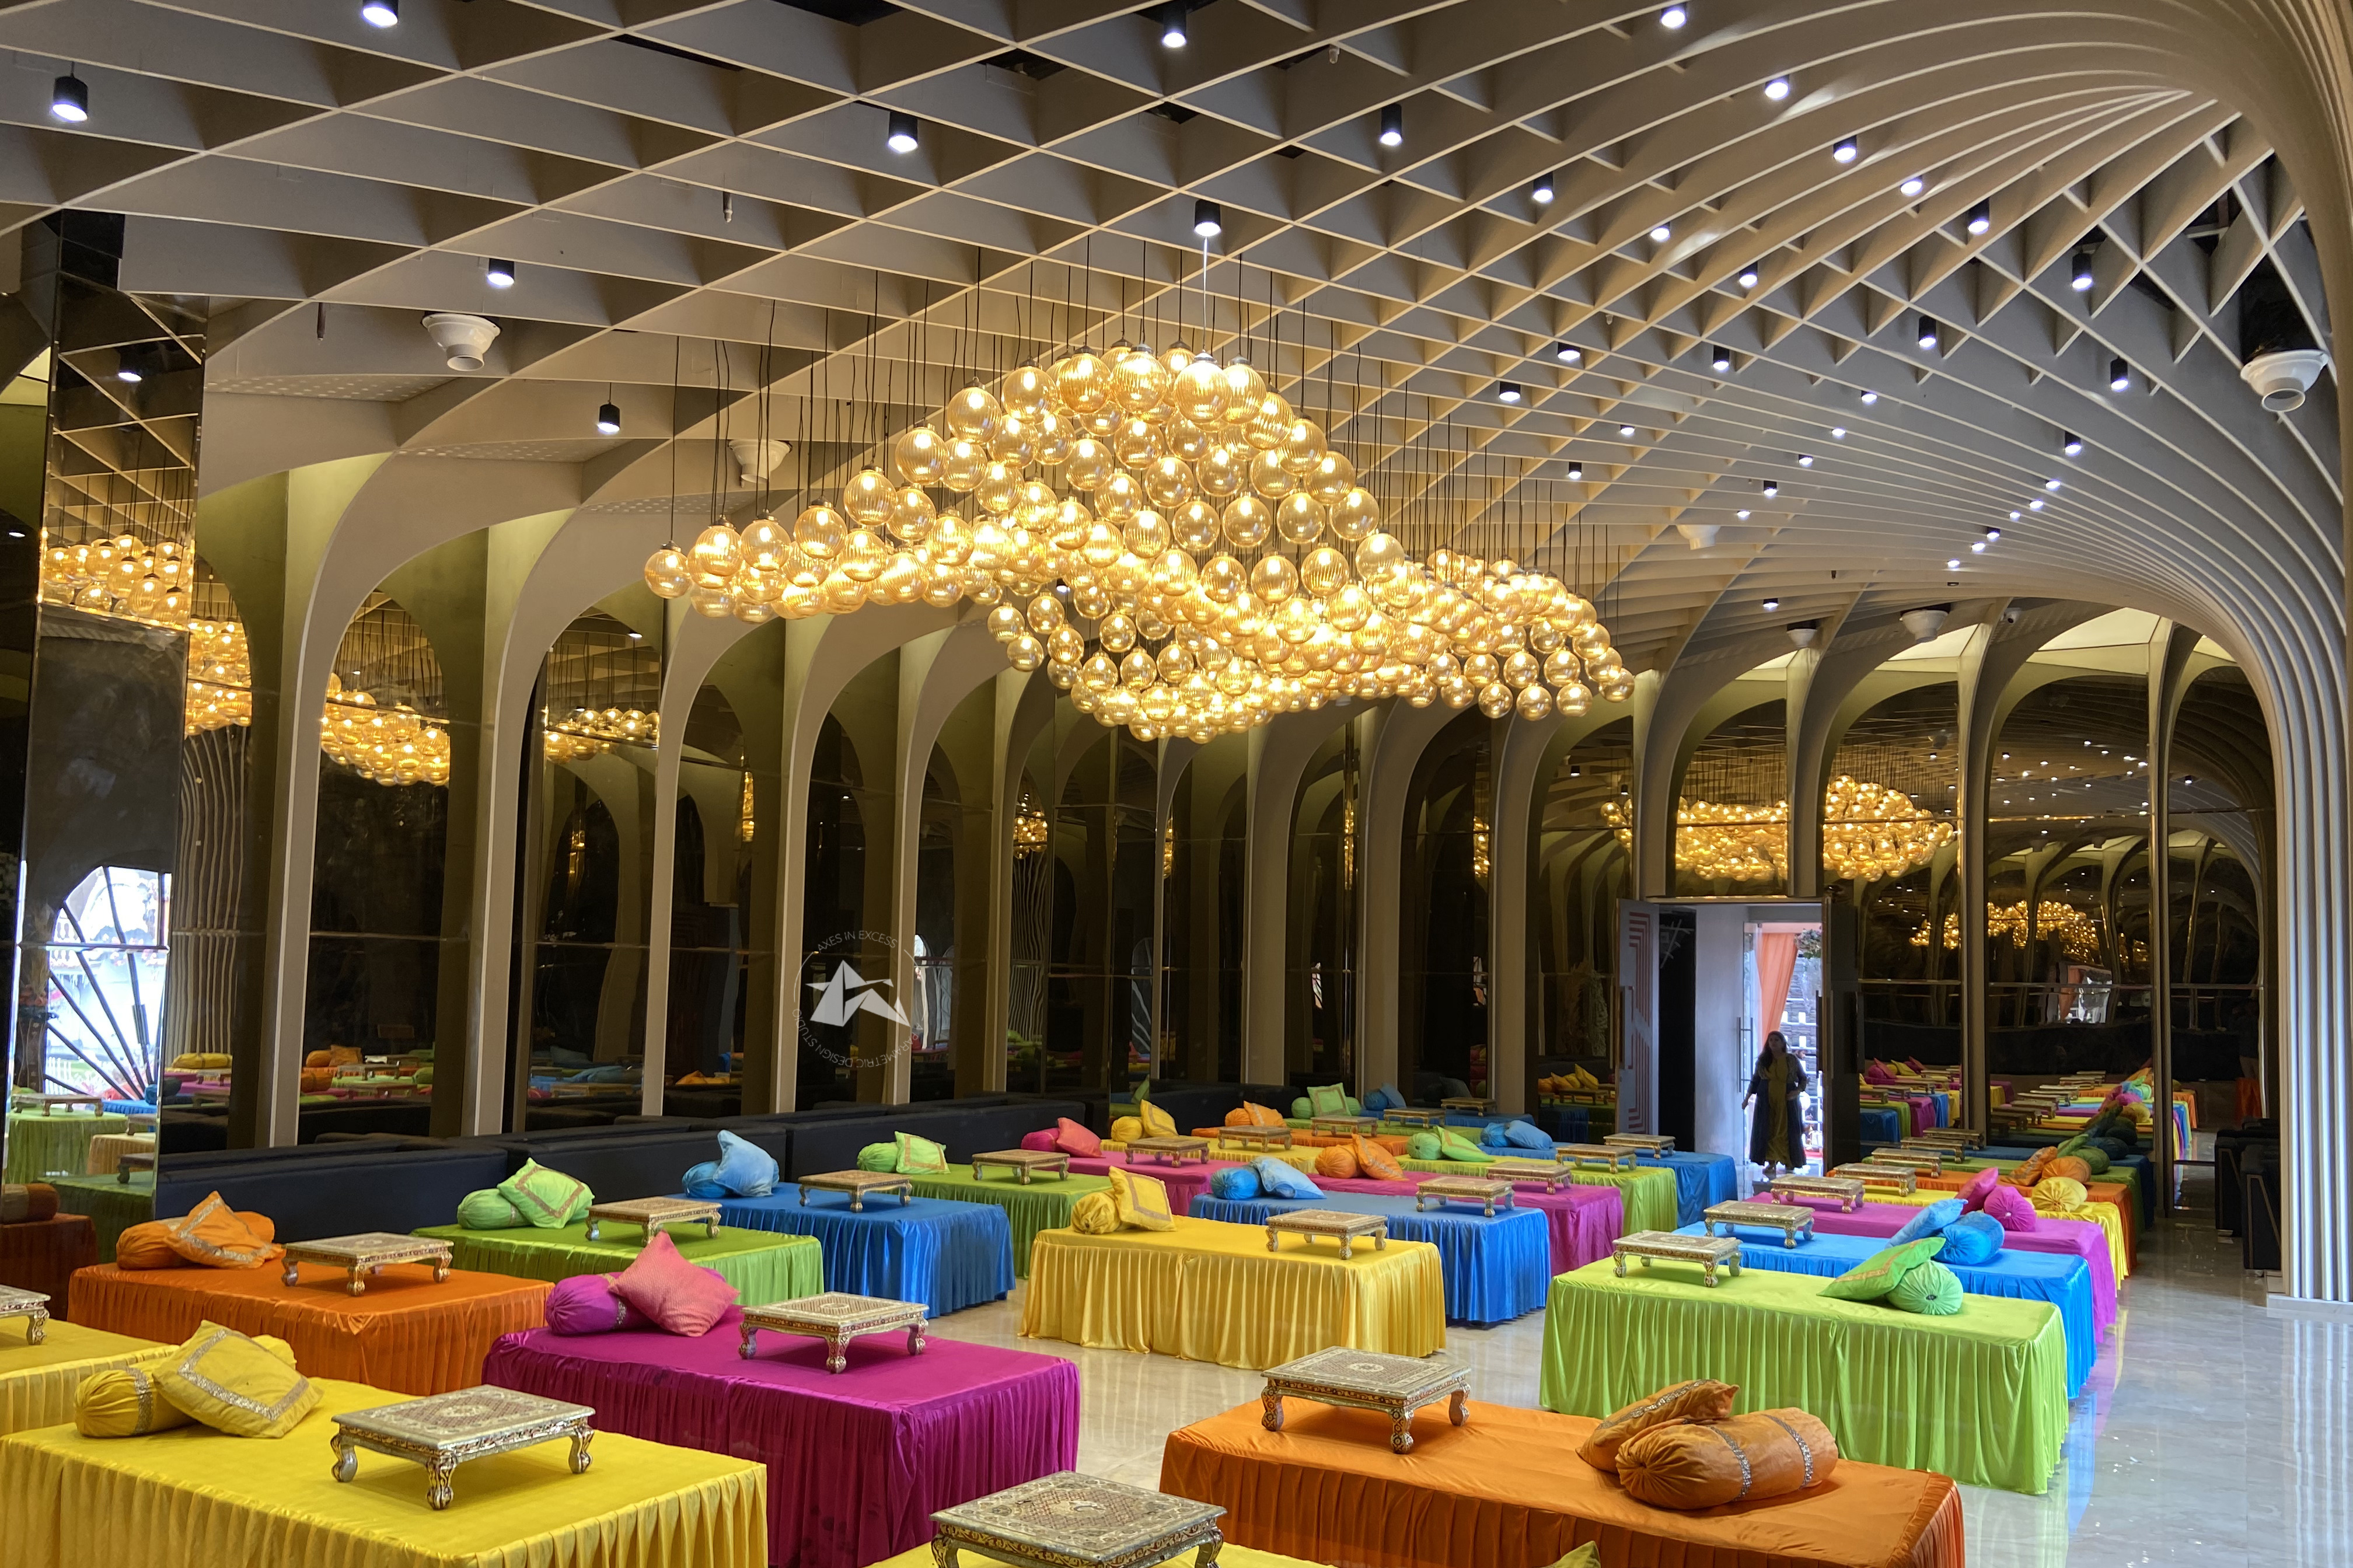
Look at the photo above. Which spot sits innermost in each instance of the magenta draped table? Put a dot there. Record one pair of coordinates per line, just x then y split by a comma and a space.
2082, 1238
857, 1461
1185, 1183
1583, 1221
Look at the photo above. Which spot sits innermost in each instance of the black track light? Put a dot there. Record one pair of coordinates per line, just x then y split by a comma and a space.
2119, 377
499, 274
70, 98
1771, 603
902, 135
1674, 16
1508, 391
1568, 353
1627, 431
380, 13
1751, 274
2072, 443
1209, 219
1576, 471
2079, 271
1393, 126
1847, 151
1771, 488
1172, 24
1980, 217
1927, 333
1541, 192
1777, 89
608, 419
1719, 360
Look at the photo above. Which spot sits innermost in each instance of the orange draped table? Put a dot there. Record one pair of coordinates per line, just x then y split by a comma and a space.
1508, 1488
406, 1333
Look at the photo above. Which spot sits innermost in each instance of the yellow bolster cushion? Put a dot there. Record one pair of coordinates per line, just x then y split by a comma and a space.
126, 1403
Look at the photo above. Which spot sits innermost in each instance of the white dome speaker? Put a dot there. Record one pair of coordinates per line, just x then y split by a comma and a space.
463, 340
756, 460
1925, 622
2282, 379
1700, 534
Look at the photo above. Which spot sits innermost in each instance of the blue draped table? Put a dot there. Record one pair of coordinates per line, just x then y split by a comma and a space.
1700, 1180
1496, 1270
1883, 1124
2060, 1278
947, 1255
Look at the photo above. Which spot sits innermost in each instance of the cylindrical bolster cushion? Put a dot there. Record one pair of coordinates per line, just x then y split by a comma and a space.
1695, 1399
1689, 1465
33, 1201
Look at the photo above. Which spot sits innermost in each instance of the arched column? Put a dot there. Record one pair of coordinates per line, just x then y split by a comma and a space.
1402, 733
1279, 754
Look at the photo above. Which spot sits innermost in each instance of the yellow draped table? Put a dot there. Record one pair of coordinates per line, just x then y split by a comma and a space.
38, 1381
194, 1498
1211, 1291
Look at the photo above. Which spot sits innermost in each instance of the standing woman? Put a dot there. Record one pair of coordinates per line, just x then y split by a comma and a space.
1777, 1138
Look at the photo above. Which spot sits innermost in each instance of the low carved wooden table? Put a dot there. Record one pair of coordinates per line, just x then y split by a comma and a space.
129, 1164
1479, 1190
1396, 1385
1900, 1178
1947, 1138
367, 1253
1710, 1252
1845, 1189
835, 1317
649, 1215
858, 1184
1171, 1150
1074, 1520
49, 1104
1642, 1143
1599, 1154
1551, 1172
1927, 1162
445, 1430
1414, 1115
1469, 1104
1348, 1229
1794, 1221
1024, 1162
32, 1306
1261, 1138
1343, 1126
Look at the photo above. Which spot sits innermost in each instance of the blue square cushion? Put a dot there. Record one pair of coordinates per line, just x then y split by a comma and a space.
1930, 1221
1238, 1182
1527, 1135
703, 1182
1492, 1136
1395, 1096
744, 1168
1972, 1239
1281, 1181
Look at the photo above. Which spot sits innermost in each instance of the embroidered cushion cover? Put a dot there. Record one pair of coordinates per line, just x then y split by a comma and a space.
126, 1403
1876, 1276
1931, 1220
745, 1168
921, 1156
1742, 1459
212, 1235
1157, 1124
548, 1200
1327, 1099
232, 1385
1695, 1399
488, 1209
1337, 1160
1140, 1201
1377, 1162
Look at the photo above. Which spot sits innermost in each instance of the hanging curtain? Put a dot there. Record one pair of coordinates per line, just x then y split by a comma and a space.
1777, 960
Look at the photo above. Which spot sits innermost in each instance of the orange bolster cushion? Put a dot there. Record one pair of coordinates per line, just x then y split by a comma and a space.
29, 1201
1335, 1160
2069, 1166
1377, 1162
1696, 1399
319, 1059
1765, 1454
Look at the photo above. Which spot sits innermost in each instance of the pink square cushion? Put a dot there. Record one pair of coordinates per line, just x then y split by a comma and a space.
674, 1294
1042, 1141
2013, 1208
1073, 1139
1973, 1194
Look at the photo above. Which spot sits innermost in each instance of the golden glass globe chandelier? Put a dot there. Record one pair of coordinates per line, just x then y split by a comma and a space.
1869, 831
588, 732
1179, 549
123, 576
220, 676
394, 745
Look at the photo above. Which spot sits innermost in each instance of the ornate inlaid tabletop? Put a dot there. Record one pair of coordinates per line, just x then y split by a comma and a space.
1348, 1229
1847, 1190
1709, 1252
649, 1215
1469, 1104
1617, 1158
1024, 1162
1553, 1173
443, 1431
365, 1253
1074, 1520
1902, 1178
835, 1317
1482, 1190
1257, 1137
1170, 1150
1794, 1221
1928, 1161
1946, 1138
1414, 1115
1343, 1126
1642, 1143
30, 1305
1396, 1385
858, 1184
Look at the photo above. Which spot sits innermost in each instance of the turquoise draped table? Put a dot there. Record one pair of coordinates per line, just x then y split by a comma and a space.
945, 1254
1980, 1396
1496, 1269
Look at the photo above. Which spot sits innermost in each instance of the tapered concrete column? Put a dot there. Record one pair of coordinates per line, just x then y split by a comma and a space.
1522, 748
2170, 647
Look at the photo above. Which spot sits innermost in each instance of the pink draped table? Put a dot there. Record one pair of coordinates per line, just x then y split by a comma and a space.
2082, 1238
857, 1461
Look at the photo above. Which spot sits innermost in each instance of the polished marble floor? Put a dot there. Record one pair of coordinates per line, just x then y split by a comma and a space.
2212, 1432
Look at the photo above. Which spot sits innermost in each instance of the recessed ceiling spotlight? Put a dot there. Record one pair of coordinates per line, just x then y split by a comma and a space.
2079, 270
1541, 192
70, 98
1508, 391
380, 13
1913, 186
1719, 359
1978, 547
2034, 505
2050, 484
1838, 432
2119, 377
129, 373
1661, 233
901, 135
1927, 333
1674, 16
1869, 397
2072, 443
1805, 459
1772, 488
1576, 471
1172, 24
1980, 218
499, 274
1393, 126
2014, 515
1627, 431
1742, 514
1847, 151
1568, 353
1777, 89
1209, 218
1771, 603
608, 419
1953, 565
1993, 536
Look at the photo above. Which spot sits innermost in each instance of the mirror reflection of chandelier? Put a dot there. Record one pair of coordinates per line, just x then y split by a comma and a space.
123, 576
1179, 548
395, 745
585, 732
2077, 933
220, 676
1867, 831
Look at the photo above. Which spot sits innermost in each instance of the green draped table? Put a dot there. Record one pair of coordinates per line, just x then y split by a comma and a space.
1980, 1395
114, 1206
1648, 1194
763, 1266
1044, 1204
41, 1142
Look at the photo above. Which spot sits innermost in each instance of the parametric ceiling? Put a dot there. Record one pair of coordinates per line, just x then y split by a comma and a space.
701, 193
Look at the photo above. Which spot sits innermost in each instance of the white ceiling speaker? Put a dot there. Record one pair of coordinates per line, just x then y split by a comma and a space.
1925, 622
1802, 635
463, 340
2282, 379
1701, 534
756, 460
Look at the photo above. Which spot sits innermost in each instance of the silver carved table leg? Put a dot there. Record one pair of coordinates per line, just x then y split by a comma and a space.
292, 1273
358, 1282
943, 1552
835, 1345
710, 1226
1270, 1410
1458, 1408
440, 1271
1206, 1556
915, 1340
581, 1436
36, 1328
751, 1345
1347, 1243
1402, 1430
595, 1230
438, 1493
347, 1456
